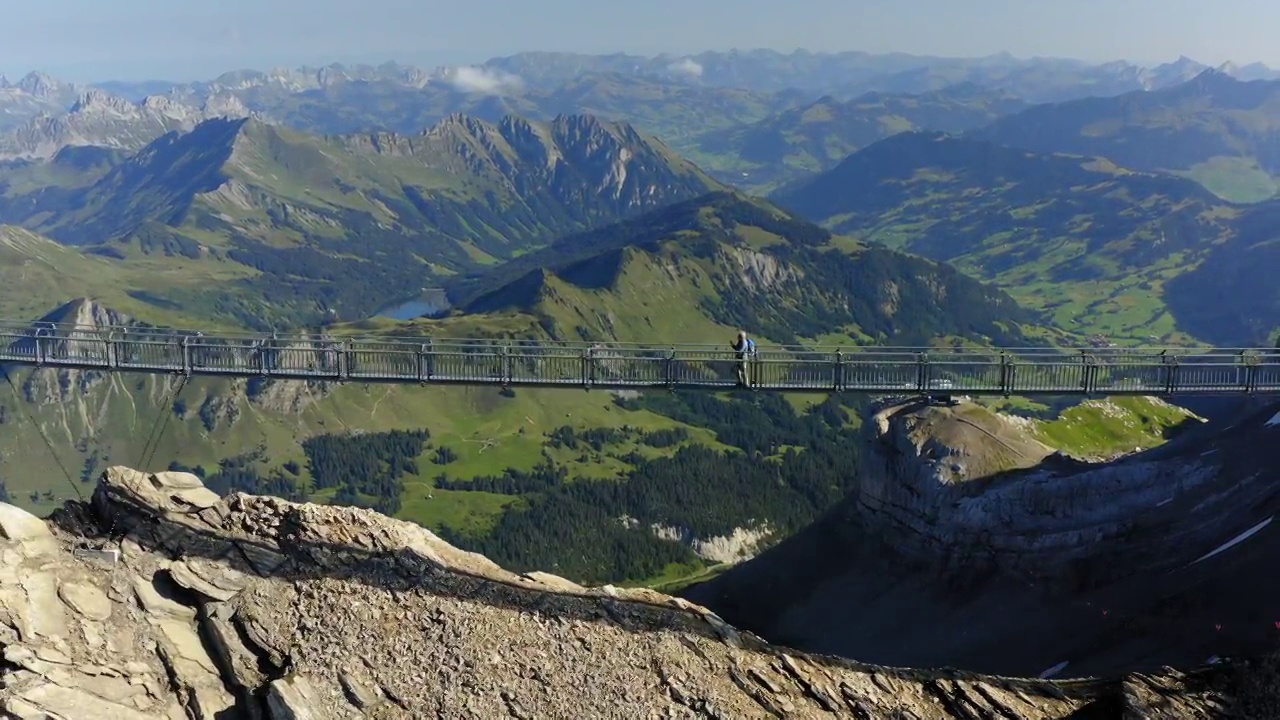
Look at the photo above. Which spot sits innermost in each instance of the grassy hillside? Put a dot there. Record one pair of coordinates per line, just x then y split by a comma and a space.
744, 263
1214, 129
815, 136
275, 213
1093, 244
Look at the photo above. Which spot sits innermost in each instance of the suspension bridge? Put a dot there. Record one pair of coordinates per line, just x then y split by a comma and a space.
627, 366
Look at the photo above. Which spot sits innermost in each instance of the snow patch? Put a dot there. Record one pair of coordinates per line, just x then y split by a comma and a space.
1236, 540
1273, 421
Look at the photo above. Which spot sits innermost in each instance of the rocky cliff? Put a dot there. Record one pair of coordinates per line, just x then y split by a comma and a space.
158, 599
966, 544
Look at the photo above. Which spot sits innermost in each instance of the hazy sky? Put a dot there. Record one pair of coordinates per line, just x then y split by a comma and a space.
184, 39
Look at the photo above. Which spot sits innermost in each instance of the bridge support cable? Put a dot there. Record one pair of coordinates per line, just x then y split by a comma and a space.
43, 436
160, 425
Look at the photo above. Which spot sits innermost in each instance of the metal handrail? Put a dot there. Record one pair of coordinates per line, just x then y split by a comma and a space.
508, 362
65, 329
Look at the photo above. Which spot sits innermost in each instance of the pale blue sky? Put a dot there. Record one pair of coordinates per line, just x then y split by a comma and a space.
185, 39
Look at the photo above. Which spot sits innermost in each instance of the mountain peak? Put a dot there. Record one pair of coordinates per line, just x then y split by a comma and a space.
94, 99
40, 85
86, 313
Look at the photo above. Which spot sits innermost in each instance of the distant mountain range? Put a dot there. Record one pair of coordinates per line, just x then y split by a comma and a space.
677, 98
815, 136
1214, 128
1138, 255
209, 171
340, 224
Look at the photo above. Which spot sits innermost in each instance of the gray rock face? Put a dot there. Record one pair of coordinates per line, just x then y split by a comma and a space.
255, 607
968, 544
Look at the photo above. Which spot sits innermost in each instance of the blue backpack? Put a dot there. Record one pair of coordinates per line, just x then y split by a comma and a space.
750, 349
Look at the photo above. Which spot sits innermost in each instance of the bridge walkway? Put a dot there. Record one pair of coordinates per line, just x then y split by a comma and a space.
622, 366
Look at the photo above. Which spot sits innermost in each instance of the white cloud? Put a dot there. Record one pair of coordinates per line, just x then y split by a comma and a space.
479, 80
687, 66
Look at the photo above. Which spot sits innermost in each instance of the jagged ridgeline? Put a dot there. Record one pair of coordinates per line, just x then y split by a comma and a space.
298, 228
595, 485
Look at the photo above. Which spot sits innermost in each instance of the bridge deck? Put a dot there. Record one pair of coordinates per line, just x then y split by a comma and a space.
1013, 371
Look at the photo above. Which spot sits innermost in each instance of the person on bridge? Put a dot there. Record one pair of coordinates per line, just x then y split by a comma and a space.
744, 347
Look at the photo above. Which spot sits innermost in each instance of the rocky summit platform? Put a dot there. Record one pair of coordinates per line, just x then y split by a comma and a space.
159, 599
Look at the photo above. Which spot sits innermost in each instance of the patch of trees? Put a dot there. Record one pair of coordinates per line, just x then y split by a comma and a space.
89, 472
597, 438
243, 473
576, 528
4, 493
369, 465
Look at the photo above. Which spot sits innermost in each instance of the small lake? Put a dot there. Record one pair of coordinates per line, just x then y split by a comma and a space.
429, 303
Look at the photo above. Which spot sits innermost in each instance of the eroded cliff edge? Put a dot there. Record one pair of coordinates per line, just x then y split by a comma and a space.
968, 544
259, 608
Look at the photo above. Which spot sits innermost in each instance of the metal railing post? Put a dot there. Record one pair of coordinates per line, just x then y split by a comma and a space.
344, 361
922, 372
186, 356
670, 367
839, 371
40, 348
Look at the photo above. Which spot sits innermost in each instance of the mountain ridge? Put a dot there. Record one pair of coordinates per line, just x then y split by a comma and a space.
764, 270
1090, 242
815, 136
259, 201
1213, 128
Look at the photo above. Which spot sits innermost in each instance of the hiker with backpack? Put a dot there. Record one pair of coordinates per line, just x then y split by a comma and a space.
745, 347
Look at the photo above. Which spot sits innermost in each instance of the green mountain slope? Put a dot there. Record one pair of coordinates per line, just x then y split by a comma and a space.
726, 261
816, 136
1215, 129
1238, 274
1089, 242
284, 209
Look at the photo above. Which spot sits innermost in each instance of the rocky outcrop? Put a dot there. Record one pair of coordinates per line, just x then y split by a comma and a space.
160, 599
969, 544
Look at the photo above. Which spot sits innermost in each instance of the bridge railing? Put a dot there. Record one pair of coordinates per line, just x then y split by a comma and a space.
497, 361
